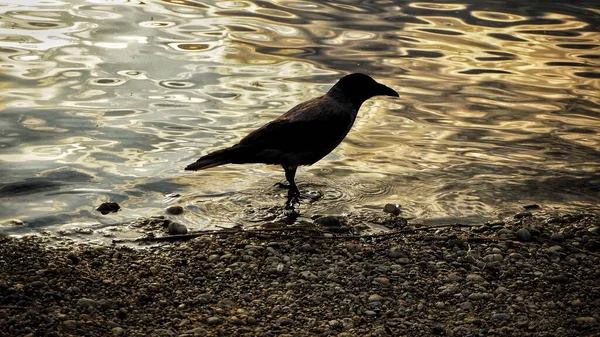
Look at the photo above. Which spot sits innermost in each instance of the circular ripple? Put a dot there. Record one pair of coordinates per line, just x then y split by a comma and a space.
110, 82
176, 84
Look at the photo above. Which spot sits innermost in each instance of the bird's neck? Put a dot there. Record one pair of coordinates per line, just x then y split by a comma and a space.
339, 95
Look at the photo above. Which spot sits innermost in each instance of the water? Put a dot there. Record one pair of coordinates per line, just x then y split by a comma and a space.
108, 100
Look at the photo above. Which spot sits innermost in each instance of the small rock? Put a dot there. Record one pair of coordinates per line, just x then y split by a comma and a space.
503, 231
586, 320
440, 305
38, 284
475, 278
307, 248
403, 260
466, 305
523, 235
308, 275
374, 298
174, 210
69, 323
477, 296
500, 317
524, 214
335, 324
328, 221
347, 323
108, 207
86, 302
572, 262
576, 303
453, 277
396, 252
214, 320
557, 237
392, 209
176, 228
555, 250
532, 206
370, 313
382, 280
493, 257
515, 256
284, 321
117, 331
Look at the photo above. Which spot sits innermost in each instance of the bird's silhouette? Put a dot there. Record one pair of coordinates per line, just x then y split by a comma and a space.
304, 134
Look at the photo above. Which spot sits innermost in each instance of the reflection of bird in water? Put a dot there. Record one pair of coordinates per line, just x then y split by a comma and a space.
304, 134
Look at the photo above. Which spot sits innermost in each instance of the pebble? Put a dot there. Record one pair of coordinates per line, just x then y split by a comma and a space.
335, 324
328, 221
176, 228
396, 252
392, 209
283, 321
576, 303
214, 320
466, 305
475, 278
307, 248
477, 296
117, 331
586, 320
174, 210
440, 305
557, 237
493, 257
555, 249
375, 298
524, 214
108, 207
382, 280
503, 231
515, 256
523, 235
572, 262
86, 302
370, 313
453, 277
500, 317
69, 323
403, 260
308, 275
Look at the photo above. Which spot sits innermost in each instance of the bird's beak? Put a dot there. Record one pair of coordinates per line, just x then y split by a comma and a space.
386, 91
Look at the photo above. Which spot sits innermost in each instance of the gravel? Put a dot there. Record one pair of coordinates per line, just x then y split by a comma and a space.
447, 281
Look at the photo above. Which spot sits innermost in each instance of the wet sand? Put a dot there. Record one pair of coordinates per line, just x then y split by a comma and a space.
529, 275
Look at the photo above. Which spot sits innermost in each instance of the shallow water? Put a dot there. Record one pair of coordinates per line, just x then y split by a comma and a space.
108, 100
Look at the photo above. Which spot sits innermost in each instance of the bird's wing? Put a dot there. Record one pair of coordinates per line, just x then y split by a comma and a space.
308, 126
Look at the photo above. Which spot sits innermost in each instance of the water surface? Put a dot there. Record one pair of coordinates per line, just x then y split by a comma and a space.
108, 100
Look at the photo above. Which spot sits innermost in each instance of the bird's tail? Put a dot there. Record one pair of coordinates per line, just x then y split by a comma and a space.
217, 158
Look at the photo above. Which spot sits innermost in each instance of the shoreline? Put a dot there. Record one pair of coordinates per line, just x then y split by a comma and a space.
528, 275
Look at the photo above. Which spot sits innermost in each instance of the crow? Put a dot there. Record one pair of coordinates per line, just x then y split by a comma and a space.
304, 134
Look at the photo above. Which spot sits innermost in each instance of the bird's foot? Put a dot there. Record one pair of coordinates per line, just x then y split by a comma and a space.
282, 185
293, 198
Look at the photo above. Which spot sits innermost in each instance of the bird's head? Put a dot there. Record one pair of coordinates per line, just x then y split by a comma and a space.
360, 87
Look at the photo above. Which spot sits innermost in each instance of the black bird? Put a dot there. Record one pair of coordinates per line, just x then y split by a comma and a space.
304, 134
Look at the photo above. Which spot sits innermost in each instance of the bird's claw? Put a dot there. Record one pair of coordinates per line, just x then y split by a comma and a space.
293, 198
282, 185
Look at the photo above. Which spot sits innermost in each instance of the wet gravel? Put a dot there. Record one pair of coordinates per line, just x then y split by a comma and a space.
486, 280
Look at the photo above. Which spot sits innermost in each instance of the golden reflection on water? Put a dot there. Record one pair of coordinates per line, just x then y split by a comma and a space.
108, 100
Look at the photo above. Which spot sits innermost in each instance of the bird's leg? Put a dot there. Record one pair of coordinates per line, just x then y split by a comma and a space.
293, 191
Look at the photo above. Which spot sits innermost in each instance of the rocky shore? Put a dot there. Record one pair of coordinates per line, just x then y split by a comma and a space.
529, 275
